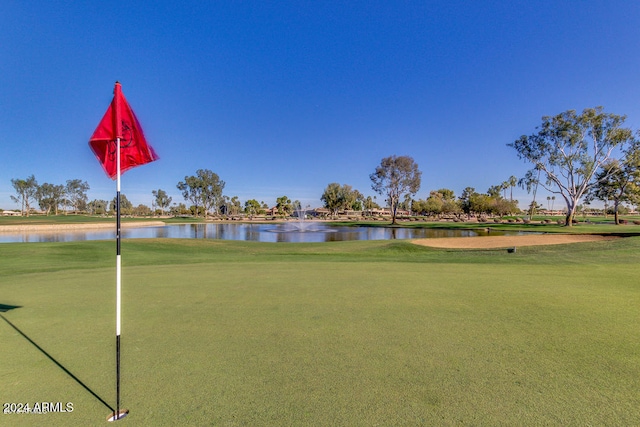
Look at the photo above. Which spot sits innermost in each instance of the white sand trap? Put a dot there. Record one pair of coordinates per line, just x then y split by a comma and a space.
492, 242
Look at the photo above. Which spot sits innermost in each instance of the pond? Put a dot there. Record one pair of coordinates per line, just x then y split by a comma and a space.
247, 232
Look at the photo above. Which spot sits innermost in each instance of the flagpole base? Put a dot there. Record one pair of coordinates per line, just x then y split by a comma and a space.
117, 416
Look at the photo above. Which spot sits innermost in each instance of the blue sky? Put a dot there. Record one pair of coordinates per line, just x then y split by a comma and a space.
283, 98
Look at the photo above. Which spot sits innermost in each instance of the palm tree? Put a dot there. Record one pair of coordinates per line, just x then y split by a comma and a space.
548, 199
504, 186
513, 181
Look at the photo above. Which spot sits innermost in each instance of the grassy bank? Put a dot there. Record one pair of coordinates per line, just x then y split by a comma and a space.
66, 219
349, 333
597, 225
536, 227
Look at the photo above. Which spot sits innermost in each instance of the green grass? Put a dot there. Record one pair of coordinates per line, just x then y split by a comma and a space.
348, 333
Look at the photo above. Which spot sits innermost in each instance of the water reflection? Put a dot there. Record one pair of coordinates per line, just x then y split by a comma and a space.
246, 232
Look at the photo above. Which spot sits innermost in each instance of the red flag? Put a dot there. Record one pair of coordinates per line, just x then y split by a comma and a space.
120, 122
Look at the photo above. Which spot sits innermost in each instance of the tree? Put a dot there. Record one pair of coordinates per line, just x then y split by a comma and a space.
395, 177
568, 150
481, 203
76, 193
513, 181
232, 205
162, 199
450, 205
494, 203
338, 197
419, 207
252, 207
178, 209
26, 190
284, 206
142, 210
358, 201
533, 208
191, 190
406, 203
501, 206
370, 204
298, 210
433, 205
212, 195
97, 207
49, 197
439, 202
204, 189
494, 190
618, 181
490, 203
350, 197
126, 207
465, 200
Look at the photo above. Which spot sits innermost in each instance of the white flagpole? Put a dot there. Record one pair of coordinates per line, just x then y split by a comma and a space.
118, 414
118, 278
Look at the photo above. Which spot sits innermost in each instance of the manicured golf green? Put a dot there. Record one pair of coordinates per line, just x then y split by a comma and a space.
349, 333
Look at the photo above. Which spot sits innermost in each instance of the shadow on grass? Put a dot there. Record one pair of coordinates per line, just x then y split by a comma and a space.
3, 309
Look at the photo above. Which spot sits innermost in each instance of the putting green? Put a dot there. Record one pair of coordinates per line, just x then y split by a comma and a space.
369, 333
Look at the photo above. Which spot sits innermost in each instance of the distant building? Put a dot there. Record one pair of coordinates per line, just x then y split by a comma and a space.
271, 211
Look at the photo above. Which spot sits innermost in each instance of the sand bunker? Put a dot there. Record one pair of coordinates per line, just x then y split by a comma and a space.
492, 242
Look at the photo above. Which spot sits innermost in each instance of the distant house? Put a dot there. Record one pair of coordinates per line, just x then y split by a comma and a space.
320, 212
10, 213
378, 212
271, 211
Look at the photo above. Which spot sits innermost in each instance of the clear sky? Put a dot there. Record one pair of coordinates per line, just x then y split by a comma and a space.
283, 98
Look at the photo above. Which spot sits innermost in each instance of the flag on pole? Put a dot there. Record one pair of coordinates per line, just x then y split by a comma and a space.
120, 122
119, 145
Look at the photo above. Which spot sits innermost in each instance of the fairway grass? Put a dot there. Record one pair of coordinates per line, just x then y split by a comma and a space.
347, 333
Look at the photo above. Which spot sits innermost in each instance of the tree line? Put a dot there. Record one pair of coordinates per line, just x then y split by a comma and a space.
576, 157
397, 179
49, 197
204, 192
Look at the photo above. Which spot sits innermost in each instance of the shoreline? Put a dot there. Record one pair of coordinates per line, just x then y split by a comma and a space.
9, 228
477, 242
74, 227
